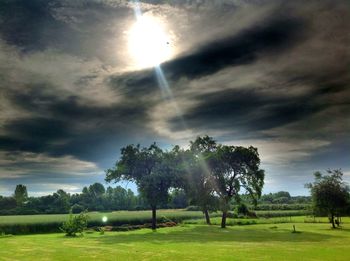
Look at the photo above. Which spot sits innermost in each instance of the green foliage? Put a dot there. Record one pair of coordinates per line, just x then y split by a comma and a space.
282, 213
236, 168
20, 194
76, 209
330, 195
282, 207
197, 179
242, 209
75, 224
153, 170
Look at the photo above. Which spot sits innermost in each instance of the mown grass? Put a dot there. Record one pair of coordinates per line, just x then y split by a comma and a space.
188, 242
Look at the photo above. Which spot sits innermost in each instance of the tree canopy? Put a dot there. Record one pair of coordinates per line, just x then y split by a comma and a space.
236, 168
151, 168
330, 195
207, 171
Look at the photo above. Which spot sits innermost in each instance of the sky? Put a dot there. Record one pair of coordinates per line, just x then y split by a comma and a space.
77, 83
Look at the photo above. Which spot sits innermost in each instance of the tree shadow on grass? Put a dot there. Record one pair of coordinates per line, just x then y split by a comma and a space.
204, 234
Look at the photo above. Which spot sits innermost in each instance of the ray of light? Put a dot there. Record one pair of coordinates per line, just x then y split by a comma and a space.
167, 93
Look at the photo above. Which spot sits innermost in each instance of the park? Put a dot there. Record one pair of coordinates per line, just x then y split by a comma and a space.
174, 130
222, 223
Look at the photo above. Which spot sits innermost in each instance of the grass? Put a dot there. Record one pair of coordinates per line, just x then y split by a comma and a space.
188, 242
122, 216
115, 216
273, 220
34, 224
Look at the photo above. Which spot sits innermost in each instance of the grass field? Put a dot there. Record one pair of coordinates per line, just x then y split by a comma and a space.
34, 224
113, 217
124, 216
188, 242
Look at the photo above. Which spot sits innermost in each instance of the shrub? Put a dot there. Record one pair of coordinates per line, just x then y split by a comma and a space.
242, 209
75, 224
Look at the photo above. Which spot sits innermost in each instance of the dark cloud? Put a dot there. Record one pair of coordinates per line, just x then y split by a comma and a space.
30, 24
35, 132
71, 126
246, 110
272, 36
270, 74
243, 48
37, 25
250, 109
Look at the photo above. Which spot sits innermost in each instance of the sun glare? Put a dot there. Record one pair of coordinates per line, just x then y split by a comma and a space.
149, 45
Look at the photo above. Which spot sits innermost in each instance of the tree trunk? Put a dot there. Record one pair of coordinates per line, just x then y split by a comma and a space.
223, 220
332, 220
207, 217
154, 217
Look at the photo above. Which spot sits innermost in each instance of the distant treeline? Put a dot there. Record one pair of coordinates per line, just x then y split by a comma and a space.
98, 198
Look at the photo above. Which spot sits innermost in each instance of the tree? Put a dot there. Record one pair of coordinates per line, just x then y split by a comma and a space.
75, 224
330, 195
235, 168
61, 202
96, 190
21, 194
198, 180
178, 199
150, 168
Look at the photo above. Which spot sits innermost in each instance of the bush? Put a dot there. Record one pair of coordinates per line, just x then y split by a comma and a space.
75, 224
242, 209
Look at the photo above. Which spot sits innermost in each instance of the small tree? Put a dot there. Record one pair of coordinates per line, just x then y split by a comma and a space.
330, 195
75, 224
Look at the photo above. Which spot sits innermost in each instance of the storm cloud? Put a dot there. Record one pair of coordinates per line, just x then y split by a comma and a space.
272, 74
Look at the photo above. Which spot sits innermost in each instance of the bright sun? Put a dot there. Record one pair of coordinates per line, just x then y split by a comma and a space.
149, 45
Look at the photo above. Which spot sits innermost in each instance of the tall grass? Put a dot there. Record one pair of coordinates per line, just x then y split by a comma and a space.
31, 224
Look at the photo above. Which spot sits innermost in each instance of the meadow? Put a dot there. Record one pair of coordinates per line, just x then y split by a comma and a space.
31, 224
49, 223
315, 241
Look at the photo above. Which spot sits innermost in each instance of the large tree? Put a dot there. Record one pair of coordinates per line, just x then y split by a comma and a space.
197, 178
235, 168
152, 169
330, 195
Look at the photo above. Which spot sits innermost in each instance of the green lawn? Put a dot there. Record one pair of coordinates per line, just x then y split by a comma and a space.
188, 242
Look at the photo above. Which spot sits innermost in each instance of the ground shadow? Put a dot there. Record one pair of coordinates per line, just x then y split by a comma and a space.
203, 234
